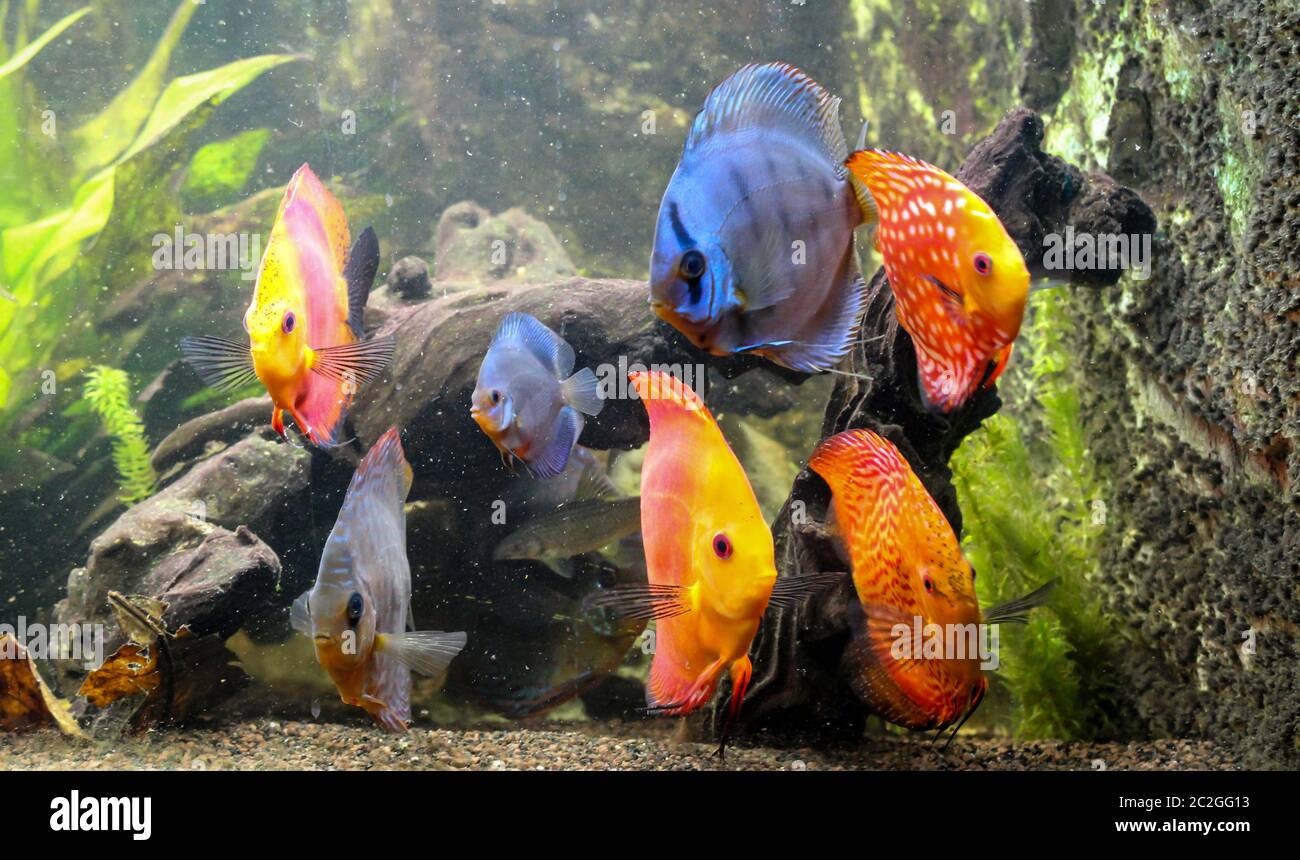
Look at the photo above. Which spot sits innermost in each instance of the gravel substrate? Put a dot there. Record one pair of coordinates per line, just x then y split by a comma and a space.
266, 744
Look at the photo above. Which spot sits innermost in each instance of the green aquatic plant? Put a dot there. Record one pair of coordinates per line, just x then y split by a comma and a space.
108, 393
1034, 510
76, 203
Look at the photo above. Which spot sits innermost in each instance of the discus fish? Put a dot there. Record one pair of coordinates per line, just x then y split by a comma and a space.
959, 281
753, 247
359, 611
528, 400
305, 321
909, 571
709, 555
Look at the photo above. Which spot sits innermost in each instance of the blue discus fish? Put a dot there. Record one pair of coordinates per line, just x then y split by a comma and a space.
753, 249
528, 400
359, 611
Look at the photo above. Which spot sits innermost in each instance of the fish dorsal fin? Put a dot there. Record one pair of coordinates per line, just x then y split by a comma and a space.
774, 96
595, 485
385, 459
306, 189
551, 350
665, 395
359, 274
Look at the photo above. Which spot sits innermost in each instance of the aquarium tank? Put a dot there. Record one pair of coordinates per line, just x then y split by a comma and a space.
629, 384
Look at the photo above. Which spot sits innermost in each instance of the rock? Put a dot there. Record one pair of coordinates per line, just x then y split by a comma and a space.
409, 279
204, 517
477, 247
223, 427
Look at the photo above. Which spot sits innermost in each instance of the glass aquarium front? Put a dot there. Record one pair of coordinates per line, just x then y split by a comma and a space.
763, 385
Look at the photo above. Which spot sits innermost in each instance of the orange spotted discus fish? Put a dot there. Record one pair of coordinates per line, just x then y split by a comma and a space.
359, 611
959, 281
709, 555
909, 572
305, 321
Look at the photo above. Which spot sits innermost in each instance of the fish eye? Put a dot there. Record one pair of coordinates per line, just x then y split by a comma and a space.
289, 321
495, 396
692, 265
722, 546
983, 263
355, 605
928, 582
606, 578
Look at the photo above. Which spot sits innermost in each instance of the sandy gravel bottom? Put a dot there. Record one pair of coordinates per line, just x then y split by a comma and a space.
273, 744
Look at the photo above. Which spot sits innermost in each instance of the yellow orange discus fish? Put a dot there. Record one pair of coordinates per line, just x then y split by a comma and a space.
909, 572
305, 321
709, 555
959, 281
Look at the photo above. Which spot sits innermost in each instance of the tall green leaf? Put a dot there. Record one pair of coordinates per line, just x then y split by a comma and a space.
111, 131
20, 59
186, 94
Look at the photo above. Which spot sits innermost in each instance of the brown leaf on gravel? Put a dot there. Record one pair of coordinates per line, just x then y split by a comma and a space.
26, 701
132, 670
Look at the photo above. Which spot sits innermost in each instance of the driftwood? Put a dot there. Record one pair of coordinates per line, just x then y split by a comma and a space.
797, 685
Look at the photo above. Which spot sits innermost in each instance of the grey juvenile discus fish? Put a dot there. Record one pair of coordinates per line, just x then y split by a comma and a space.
753, 248
359, 611
528, 400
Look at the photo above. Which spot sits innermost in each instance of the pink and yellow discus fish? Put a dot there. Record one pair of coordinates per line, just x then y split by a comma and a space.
959, 281
304, 324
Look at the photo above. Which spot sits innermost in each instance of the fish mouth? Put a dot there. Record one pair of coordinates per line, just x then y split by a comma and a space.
323, 637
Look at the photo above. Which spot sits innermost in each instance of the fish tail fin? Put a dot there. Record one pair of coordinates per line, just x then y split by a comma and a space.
359, 273
582, 392
428, 652
551, 460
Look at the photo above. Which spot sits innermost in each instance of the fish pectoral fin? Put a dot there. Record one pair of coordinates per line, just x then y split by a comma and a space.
790, 591
645, 601
582, 392
300, 614
428, 652
354, 363
359, 273
223, 364
757, 281
1015, 611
